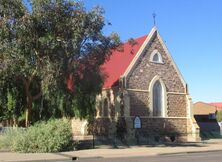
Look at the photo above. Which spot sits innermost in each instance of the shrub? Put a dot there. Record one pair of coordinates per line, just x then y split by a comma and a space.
8, 136
51, 136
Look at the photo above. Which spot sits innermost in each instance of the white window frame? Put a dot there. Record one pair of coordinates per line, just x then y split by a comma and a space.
164, 97
159, 56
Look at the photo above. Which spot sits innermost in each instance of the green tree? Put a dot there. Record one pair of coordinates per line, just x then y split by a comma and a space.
219, 115
55, 49
11, 99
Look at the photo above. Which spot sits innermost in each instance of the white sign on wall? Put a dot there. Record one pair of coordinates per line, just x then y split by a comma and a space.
137, 122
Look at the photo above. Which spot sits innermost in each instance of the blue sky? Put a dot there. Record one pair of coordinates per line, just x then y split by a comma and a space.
192, 30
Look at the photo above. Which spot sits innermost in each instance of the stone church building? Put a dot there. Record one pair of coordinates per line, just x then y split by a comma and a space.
143, 82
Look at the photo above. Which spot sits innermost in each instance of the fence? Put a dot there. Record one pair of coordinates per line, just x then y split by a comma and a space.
140, 139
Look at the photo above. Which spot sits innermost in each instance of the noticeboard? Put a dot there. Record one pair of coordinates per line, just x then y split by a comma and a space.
137, 122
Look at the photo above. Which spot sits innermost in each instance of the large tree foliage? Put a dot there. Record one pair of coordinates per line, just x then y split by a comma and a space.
50, 54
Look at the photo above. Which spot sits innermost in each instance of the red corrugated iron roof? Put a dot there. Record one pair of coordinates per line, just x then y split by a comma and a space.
119, 61
218, 105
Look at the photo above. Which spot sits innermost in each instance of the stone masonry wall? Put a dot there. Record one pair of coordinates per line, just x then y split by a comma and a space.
163, 125
79, 127
162, 128
139, 103
176, 105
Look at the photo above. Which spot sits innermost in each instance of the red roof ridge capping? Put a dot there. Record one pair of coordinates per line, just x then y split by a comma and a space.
218, 105
119, 61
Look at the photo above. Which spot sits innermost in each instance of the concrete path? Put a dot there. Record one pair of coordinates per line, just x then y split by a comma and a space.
108, 153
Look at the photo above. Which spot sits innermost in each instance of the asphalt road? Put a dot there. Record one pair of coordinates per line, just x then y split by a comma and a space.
185, 157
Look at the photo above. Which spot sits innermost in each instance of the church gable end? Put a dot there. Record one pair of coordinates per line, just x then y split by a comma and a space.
146, 68
156, 62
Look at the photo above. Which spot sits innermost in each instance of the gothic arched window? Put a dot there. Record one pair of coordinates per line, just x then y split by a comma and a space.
100, 108
157, 99
105, 108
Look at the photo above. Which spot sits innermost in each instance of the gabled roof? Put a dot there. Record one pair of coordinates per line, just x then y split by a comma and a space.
218, 105
119, 61
120, 64
206, 108
201, 108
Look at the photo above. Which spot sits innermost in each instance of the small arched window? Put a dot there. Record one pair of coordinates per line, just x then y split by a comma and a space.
105, 108
157, 99
156, 57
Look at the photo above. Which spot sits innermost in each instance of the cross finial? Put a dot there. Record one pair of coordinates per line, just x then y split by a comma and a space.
154, 18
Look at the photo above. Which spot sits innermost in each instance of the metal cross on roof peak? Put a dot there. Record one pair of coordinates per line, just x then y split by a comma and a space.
154, 18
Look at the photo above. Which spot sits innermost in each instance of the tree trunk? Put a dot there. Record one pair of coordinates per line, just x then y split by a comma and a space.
29, 98
27, 117
15, 121
28, 112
